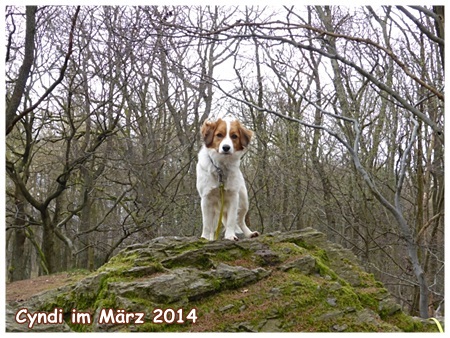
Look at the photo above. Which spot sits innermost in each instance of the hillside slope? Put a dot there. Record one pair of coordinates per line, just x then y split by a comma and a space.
280, 282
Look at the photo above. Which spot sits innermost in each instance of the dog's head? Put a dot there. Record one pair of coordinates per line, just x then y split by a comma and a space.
225, 136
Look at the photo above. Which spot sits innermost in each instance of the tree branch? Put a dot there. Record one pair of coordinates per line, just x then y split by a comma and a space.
422, 28
12, 119
368, 75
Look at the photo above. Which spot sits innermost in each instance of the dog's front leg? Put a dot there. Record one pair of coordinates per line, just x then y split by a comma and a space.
230, 223
209, 218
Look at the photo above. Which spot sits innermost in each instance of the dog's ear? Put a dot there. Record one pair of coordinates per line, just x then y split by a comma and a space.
207, 131
246, 136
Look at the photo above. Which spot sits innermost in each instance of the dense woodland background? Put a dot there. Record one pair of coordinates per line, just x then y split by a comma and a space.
104, 106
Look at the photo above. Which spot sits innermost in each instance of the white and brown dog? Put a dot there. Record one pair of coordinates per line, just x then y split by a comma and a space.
225, 142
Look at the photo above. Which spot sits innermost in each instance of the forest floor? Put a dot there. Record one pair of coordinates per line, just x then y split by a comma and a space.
24, 289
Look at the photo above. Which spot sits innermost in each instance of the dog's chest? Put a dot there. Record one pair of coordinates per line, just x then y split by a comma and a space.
209, 179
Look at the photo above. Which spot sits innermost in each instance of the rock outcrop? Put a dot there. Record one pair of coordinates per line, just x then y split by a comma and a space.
279, 282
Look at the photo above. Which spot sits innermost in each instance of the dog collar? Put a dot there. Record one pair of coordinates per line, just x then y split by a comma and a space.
219, 171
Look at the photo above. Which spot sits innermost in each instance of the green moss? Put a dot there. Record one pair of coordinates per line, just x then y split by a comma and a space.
324, 270
347, 298
230, 255
149, 327
301, 243
367, 279
190, 246
79, 327
379, 284
288, 250
408, 324
367, 299
322, 255
119, 263
405, 323
267, 239
123, 257
371, 296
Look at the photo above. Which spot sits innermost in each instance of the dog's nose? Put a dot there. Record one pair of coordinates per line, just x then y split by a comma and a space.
226, 148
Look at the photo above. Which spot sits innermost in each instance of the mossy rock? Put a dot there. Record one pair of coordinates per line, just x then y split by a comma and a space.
294, 281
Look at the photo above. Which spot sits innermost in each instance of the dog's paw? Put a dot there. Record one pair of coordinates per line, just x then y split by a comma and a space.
232, 238
254, 234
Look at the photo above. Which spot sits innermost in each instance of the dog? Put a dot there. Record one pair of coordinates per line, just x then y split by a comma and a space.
225, 142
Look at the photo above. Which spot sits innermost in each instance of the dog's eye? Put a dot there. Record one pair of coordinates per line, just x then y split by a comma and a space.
234, 136
219, 135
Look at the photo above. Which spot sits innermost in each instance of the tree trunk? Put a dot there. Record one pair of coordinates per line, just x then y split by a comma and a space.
48, 256
318, 165
17, 270
440, 29
24, 71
